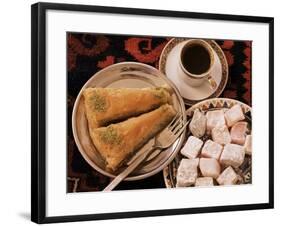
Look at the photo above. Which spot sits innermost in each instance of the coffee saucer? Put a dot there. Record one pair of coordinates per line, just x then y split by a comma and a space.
169, 65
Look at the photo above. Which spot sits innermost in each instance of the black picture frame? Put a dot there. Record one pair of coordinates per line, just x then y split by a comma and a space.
38, 110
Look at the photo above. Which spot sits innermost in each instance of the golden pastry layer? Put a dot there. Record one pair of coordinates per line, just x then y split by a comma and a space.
106, 105
119, 141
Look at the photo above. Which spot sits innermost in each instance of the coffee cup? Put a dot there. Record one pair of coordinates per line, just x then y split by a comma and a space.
196, 61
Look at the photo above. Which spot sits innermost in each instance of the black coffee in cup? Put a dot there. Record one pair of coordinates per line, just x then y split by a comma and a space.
196, 59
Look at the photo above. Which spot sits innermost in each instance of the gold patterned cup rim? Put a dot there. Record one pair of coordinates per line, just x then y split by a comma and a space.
221, 86
207, 47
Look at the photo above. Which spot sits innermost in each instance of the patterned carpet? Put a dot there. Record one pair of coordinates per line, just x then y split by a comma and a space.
89, 53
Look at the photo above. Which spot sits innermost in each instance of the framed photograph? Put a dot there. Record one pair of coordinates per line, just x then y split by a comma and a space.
131, 105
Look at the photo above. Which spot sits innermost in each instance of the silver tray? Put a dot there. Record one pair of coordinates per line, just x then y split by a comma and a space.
129, 75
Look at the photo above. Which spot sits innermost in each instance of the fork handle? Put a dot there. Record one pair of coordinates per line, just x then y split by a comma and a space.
128, 170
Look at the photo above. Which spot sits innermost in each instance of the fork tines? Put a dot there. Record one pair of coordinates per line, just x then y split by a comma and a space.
176, 123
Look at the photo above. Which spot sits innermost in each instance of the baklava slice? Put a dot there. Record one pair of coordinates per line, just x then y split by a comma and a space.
118, 142
106, 105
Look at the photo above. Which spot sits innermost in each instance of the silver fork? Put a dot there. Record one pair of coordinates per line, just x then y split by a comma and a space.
162, 141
